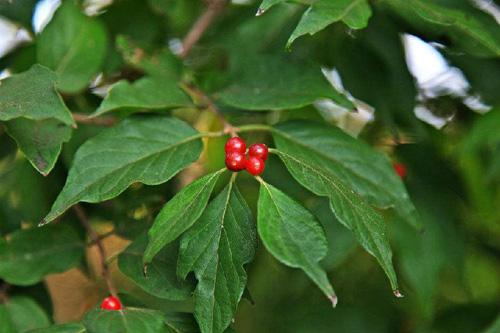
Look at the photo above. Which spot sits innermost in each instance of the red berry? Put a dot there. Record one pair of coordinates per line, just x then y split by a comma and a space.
235, 145
111, 303
400, 169
255, 165
235, 161
258, 150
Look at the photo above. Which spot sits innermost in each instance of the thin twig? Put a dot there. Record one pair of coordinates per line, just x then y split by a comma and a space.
214, 7
4, 288
83, 118
200, 97
94, 236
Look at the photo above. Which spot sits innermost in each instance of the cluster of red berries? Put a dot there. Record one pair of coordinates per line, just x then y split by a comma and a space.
236, 160
111, 303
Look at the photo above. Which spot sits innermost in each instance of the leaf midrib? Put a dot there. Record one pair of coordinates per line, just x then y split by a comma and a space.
157, 152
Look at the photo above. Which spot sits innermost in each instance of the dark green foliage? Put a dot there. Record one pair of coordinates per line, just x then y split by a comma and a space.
138, 98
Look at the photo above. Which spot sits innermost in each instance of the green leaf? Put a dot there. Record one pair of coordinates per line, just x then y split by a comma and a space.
469, 28
216, 249
62, 328
32, 95
159, 65
269, 83
74, 46
146, 93
128, 320
293, 235
21, 314
150, 150
322, 13
28, 255
161, 280
349, 208
40, 141
266, 4
368, 172
180, 213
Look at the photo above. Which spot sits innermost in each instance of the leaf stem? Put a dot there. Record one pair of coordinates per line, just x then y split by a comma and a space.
254, 127
82, 118
94, 236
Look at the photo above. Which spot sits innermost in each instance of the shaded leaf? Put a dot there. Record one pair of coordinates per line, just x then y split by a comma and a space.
269, 83
128, 320
146, 93
349, 208
73, 45
20, 11
28, 255
178, 322
293, 235
150, 150
368, 172
469, 28
20, 314
216, 249
32, 95
161, 280
180, 213
40, 141
354, 13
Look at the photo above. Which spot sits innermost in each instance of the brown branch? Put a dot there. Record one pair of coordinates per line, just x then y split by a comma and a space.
4, 288
201, 98
214, 7
83, 118
94, 236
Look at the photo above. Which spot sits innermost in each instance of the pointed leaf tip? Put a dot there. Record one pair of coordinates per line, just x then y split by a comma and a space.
145, 270
398, 294
334, 299
259, 12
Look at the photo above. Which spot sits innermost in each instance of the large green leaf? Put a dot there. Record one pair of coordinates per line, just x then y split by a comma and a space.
20, 314
40, 140
354, 13
150, 150
32, 95
161, 280
28, 255
293, 235
73, 45
146, 93
468, 27
62, 328
216, 249
180, 213
368, 172
129, 320
269, 83
348, 206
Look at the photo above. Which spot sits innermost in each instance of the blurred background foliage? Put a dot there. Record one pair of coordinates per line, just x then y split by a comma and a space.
432, 77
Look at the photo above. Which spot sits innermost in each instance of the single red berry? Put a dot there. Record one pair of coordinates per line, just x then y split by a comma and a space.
255, 165
258, 150
235, 161
235, 145
400, 169
111, 303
